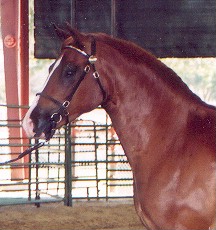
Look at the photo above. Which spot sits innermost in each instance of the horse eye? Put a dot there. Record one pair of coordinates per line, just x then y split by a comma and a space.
70, 72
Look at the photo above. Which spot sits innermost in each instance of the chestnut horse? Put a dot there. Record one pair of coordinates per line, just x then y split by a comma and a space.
167, 132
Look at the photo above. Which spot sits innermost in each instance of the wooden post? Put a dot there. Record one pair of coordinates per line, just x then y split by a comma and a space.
14, 18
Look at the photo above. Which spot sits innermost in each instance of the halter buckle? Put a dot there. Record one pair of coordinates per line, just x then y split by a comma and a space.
87, 69
92, 59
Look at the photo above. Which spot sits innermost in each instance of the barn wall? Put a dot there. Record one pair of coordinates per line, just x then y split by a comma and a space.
165, 28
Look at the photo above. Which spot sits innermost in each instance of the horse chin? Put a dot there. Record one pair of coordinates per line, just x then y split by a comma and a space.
40, 136
43, 131
45, 135
49, 134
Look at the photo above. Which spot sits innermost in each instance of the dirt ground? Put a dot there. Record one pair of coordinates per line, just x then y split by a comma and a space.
83, 215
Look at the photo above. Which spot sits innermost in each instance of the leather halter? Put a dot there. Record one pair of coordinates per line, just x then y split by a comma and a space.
62, 112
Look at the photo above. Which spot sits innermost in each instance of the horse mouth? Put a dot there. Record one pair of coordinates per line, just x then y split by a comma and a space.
44, 130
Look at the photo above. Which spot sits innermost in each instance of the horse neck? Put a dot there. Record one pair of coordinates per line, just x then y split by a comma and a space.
141, 106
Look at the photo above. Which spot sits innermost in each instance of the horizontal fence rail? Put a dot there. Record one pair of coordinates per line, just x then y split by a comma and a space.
83, 160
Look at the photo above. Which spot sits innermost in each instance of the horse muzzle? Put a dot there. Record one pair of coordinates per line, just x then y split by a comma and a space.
40, 126
44, 129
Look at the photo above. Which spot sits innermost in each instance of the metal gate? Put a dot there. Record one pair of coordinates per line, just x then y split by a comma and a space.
82, 161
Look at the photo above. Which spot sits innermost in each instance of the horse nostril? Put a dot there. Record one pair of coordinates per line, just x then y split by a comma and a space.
28, 126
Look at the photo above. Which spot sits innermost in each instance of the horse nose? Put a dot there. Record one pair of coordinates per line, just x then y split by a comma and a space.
43, 127
34, 126
28, 126
34, 122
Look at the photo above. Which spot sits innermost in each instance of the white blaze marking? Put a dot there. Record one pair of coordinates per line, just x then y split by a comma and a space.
27, 121
57, 63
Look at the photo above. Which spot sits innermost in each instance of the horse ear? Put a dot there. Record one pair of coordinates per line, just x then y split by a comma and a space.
62, 34
78, 37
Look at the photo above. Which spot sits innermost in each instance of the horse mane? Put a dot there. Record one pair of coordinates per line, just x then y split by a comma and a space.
137, 55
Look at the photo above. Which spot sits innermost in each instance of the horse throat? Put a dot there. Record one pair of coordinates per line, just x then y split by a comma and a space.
140, 110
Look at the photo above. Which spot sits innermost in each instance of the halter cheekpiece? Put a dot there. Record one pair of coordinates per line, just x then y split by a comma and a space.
62, 112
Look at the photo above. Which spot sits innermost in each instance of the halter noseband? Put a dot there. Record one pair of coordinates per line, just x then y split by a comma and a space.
62, 112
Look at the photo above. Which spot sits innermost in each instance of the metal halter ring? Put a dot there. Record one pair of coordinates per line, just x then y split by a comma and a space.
87, 68
66, 104
56, 117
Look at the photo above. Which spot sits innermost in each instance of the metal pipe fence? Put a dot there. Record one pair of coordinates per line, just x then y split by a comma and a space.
83, 160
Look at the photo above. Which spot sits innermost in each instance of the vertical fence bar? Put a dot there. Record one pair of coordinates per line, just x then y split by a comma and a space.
29, 175
37, 195
73, 151
68, 167
96, 158
59, 160
107, 159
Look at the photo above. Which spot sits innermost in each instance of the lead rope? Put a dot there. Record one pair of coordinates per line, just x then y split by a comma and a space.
34, 147
26, 152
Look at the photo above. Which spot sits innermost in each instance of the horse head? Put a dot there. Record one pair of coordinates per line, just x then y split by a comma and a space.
72, 88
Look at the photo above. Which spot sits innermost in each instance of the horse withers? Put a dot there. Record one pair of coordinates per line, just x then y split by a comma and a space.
167, 132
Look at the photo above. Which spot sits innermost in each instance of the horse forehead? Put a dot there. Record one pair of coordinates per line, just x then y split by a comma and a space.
56, 64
